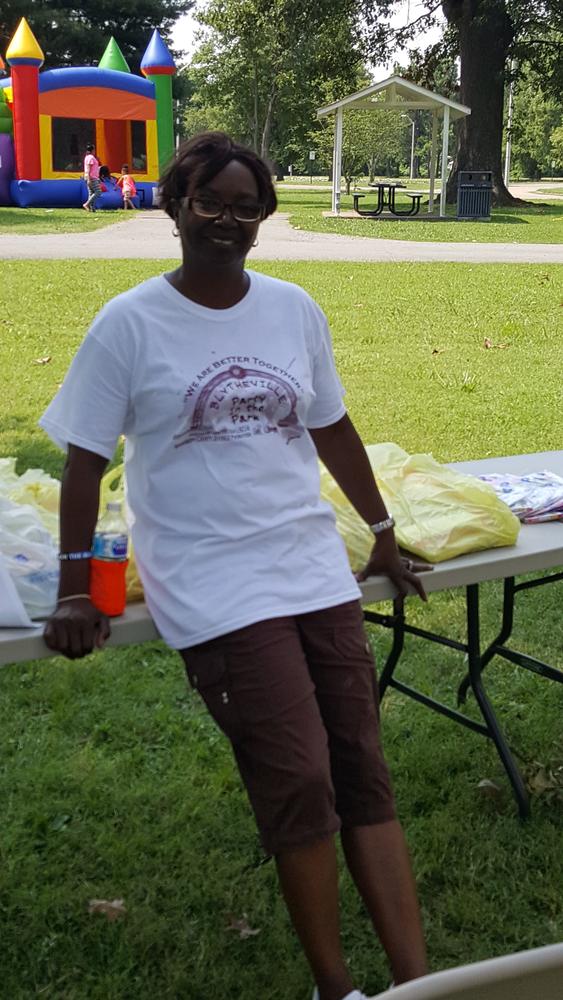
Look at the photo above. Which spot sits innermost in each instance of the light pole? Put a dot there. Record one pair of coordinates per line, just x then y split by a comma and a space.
413, 123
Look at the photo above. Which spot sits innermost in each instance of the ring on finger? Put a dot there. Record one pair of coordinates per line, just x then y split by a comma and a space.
410, 565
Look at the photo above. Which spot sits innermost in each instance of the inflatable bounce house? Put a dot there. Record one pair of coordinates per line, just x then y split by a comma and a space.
47, 120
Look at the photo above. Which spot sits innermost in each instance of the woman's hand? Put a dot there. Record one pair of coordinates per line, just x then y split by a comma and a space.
75, 628
385, 559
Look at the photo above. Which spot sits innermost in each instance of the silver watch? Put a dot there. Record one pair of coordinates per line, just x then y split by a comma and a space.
380, 526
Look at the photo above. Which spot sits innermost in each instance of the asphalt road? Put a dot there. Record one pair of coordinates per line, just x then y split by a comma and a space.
149, 235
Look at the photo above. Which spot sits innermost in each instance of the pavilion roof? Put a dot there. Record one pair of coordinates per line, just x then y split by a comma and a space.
396, 94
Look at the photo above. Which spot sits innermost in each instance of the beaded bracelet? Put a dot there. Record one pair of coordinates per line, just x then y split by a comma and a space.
75, 555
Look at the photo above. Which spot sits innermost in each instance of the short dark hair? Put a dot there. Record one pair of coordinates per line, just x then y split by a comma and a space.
201, 158
125, 166
90, 148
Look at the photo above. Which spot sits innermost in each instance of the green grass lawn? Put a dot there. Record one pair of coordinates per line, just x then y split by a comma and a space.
531, 223
115, 784
30, 221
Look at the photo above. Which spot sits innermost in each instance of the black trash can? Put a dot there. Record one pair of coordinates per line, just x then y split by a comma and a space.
474, 193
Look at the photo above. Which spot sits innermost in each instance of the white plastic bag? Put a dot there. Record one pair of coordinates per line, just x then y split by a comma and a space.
35, 487
30, 555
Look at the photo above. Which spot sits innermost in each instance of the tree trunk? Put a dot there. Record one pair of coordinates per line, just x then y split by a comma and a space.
485, 34
265, 143
255, 128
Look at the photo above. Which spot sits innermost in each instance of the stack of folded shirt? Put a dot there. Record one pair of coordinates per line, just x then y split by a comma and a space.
533, 498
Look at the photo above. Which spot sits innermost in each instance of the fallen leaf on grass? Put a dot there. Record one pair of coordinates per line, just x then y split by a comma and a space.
543, 779
438, 350
487, 344
112, 909
42, 361
241, 926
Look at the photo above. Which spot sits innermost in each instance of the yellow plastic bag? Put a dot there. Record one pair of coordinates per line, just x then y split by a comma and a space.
439, 513
112, 487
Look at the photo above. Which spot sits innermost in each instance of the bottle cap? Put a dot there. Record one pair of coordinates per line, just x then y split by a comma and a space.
113, 505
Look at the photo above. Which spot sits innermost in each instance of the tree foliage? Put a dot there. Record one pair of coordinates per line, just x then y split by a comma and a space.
265, 66
435, 69
556, 140
533, 30
76, 35
373, 142
485, 34
536, 117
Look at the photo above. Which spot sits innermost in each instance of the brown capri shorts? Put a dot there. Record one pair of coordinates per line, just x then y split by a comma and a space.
297, 697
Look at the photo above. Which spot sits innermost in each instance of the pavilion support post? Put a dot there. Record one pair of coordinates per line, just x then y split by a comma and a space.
337, 162
433, 152
445, 136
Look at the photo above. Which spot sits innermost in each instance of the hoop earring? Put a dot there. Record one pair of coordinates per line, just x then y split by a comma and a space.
175, 231
255, 244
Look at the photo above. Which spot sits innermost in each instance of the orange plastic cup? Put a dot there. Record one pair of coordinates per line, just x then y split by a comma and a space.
107, 586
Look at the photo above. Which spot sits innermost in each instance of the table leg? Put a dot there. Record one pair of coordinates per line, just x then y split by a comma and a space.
475, 669
506, 629
397, 623
497, 647
413, 210
380, 200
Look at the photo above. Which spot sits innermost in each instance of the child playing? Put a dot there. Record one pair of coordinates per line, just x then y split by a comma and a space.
127, 185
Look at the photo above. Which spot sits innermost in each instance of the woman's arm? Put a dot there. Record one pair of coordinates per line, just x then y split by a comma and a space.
340, 448
76, 626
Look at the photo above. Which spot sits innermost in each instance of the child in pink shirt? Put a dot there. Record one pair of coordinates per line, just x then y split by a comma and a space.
127, 185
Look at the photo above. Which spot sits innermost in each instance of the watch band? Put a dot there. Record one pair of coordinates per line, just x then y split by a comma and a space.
380, 526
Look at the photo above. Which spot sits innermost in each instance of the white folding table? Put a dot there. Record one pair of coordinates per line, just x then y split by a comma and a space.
539, 549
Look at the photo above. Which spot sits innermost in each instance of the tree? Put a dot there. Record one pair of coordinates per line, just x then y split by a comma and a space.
372, 141
536, 115
263, 67
435, 69
556, 139
485, 34
77, 35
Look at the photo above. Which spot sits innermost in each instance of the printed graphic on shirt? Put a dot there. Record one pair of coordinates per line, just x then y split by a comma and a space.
239, 397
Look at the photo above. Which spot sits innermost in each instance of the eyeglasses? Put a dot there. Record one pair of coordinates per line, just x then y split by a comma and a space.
213, 208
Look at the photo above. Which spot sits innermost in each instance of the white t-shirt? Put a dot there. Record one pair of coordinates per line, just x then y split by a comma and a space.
222, 476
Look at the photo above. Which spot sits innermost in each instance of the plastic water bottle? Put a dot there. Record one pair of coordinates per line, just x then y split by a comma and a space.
108, 565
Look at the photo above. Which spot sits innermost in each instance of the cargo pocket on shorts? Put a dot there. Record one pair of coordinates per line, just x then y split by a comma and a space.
359, 698
208, 675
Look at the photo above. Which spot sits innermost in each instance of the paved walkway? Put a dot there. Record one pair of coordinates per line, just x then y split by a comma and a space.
149, 235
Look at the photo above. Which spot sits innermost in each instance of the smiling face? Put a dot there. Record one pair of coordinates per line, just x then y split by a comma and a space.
223, 241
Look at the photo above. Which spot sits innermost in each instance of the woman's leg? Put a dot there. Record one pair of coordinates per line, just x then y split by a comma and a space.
379, 863
256, 684
343, 671
309, 882
92, 195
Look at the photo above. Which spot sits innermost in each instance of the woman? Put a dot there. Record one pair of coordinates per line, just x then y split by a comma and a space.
223, 383
92, 178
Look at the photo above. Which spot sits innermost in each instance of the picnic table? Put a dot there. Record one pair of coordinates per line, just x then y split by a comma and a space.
539, 549
386, 199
